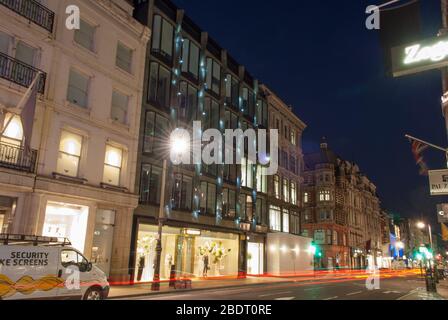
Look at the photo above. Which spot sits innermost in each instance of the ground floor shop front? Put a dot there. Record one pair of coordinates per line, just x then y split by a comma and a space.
194, 252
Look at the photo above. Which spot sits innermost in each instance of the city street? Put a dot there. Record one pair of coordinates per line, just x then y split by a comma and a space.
399, 288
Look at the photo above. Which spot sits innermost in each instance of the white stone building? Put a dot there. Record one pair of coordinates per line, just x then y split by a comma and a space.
79, 180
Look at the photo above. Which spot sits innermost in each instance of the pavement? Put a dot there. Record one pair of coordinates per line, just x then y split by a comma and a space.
331, 286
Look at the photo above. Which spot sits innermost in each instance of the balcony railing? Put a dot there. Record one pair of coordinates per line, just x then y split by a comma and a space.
33, 11
19, 72
17, 158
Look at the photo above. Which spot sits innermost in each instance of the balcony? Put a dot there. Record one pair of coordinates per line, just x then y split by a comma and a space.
19, 72
33, 11
17, 158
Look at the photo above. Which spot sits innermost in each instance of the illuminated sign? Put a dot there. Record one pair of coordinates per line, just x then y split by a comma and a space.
442, 213
438, 182
421, 56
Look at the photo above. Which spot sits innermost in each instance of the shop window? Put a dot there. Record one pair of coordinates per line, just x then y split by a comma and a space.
188, 102
70, 147
102, 239
124, 57
156, 132
85, 35
190, 58
213, 79
285, 221
262, 179
208, 199
78, 86
159, 85
277, 189
13, 133
293, 193
66, 221
162, 38
275, 218
182, 192
150, 184
120, 104
285, 190
112, 165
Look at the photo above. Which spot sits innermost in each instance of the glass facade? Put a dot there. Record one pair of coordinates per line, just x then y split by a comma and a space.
189, 252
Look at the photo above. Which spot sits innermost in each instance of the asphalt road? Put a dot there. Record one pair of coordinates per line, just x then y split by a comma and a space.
390, 289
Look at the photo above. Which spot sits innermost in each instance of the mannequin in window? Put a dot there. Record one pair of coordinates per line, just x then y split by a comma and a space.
206, 266
141, 266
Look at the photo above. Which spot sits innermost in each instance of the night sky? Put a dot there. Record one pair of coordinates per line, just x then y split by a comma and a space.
318, 56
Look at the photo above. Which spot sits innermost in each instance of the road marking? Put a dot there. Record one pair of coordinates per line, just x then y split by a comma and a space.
353, 293
395, 292
285, 298
332, 298
274, 294
313, 288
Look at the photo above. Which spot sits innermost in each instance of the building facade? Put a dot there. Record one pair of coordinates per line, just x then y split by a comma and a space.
341, 211
78, 181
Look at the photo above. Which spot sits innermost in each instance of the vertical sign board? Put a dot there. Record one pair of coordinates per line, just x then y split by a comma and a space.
420, 56
442, 213
438, 182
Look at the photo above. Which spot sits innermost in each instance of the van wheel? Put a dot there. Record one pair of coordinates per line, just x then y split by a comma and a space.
93, 294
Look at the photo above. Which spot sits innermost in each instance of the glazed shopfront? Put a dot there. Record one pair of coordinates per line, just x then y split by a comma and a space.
191, 252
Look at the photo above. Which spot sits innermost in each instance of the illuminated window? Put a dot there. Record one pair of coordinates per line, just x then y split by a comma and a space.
247, 173
293, 137
70, 148
285, 221
85, 35
13, 133
261, 179
112, 165
285, 190
306, 197
293, 193
324, 196
275, 218
277, 190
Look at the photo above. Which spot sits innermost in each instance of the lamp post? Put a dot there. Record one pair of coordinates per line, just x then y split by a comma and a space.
433, 272
178, 147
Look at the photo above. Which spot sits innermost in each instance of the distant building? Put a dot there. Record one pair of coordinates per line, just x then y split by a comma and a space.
341, 211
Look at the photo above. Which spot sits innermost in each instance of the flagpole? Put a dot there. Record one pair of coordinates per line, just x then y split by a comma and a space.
22, 101
427, 143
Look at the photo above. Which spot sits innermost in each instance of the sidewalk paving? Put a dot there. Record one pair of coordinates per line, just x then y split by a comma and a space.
421, 294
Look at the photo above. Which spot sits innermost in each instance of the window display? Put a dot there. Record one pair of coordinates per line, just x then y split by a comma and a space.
255, 257
67, 221
191, 254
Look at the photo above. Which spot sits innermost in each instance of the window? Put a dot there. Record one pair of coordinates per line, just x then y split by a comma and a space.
284, 161
85, 35
245, 100
247, 173
325, 215
229, 203
188, 101
162, 38
285, 221
262, 113
120, 104
335, 238
275, 218
293, 193
124, 58
305, 233
329, 236
277, 192
5, 43
262, 179
293, 137
285, 190
150, 184
25, 53
156, 132
292, 165
182, 192
78, 86
319, 236
73, 258
294, 227
13, 134
261, 207
208, 198
232, 91
211, 114
324, 195
190, 58
306, 198
70, 147
213, 76
112, 165
159, 85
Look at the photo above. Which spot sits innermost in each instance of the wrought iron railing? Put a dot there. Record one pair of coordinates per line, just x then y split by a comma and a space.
33, 11
19, 72
15, 157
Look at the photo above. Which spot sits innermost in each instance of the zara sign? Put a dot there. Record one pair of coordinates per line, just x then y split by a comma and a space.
421, 56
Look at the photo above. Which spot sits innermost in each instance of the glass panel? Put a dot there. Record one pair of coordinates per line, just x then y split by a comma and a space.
84, 36
124, 57
163, 90
148, 143
211, 199
152, 82
111, 175
102, 239
119, 107
156, 32
67, 164
77, 89
5, 41
185, 55
187, 193
167, 38
194, 59
285, 221
25, 53
232, 203
274, 218
203, 202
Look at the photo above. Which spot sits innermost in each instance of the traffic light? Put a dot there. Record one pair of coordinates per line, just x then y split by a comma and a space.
315, 250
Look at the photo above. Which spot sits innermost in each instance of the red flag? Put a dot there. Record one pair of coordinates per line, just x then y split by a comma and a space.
417, 149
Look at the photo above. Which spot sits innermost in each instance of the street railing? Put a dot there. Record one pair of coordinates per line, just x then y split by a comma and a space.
33, 11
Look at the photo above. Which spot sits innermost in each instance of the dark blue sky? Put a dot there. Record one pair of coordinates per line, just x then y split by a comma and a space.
318, 56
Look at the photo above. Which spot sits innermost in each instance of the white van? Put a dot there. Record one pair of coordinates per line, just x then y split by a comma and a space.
33, 267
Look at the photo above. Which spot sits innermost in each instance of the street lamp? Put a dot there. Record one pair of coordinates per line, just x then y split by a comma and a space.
179, 145
421, 226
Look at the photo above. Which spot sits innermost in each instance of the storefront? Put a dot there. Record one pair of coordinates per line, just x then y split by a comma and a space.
190, 252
